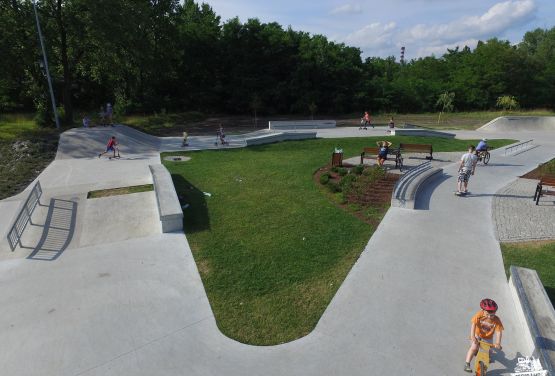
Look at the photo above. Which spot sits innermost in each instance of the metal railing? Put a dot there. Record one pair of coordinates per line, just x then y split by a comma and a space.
24, 216
514, 148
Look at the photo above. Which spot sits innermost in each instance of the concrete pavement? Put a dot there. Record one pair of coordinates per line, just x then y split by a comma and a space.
125, 303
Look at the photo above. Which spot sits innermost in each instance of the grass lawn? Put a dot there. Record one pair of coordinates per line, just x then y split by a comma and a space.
120, 191
271, 248
533, 255
25, 150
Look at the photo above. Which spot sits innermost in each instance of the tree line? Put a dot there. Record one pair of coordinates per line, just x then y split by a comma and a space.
156, 55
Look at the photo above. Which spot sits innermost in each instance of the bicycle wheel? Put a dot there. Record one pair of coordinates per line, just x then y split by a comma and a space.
481, 371
486, 157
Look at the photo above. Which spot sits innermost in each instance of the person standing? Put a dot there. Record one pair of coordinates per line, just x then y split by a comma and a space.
391, 124
466, 168
110, 113
365, 121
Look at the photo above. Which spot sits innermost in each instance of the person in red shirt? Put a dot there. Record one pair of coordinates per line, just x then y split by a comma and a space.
112, 146
484, 324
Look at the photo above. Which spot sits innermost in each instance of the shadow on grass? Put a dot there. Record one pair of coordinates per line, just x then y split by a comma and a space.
550, 293
195, 216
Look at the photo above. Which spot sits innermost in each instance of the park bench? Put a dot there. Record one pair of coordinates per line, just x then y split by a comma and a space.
417, 148
372, 153
548, 182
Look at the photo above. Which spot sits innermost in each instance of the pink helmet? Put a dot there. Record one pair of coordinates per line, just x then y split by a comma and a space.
488, 305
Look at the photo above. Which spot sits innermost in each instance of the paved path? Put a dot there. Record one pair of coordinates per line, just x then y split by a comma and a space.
516, 216
135, 305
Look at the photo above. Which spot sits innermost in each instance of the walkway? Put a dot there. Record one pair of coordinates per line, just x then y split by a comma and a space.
134, 304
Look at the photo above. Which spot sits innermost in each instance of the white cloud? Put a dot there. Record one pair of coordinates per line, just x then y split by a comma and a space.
347, 9
426, 39
373, 36
497, 19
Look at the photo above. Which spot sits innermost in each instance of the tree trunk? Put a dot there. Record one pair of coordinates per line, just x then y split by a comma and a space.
68, 103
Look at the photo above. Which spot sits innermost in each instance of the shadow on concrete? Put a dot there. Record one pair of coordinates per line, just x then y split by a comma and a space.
58, 230
498, 356
424, 196
195, 216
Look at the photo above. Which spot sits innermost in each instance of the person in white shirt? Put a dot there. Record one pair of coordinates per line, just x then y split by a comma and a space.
466, 168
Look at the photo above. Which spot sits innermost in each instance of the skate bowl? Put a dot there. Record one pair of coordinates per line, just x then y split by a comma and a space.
520, 124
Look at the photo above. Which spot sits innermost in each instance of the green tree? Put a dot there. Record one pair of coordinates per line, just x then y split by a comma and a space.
507, 103
445, 103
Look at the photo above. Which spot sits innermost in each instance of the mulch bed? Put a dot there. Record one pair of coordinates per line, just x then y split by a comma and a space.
373, 197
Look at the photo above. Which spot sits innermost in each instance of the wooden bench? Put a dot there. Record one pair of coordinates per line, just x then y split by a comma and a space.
417, 148
372, 153
549, 182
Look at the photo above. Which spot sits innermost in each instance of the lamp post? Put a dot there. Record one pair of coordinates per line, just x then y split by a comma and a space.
46, 67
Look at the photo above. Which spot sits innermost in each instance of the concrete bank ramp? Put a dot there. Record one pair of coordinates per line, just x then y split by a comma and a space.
520, 124
88, 142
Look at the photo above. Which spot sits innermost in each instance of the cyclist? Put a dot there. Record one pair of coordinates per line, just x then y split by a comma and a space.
484, 324
482, 147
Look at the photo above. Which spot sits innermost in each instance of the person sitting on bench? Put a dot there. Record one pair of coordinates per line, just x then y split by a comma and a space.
384, 150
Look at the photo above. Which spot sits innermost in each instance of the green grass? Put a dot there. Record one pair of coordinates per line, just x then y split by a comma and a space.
547, 168
25, 150
120, 191
271, 249
539, 256
161, 124
13, 126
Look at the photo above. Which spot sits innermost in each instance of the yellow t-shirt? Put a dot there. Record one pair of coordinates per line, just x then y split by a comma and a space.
486, 325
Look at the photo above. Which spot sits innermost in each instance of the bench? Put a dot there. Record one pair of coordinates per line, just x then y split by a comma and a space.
372, 153
549, 182
417, 148
169, 208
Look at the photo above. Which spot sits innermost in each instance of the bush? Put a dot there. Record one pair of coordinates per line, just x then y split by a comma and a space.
335, 169
333, 187
347, 182
374, 173
342, 171
324, 178
358, 169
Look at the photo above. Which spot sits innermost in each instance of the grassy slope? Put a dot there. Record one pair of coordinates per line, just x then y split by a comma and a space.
535, 255
25, 151
271, 249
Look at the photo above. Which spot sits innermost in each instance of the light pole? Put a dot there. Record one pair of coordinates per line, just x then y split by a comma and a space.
46, 67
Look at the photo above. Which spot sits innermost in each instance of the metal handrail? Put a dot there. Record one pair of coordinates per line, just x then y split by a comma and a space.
516, 147
24, 216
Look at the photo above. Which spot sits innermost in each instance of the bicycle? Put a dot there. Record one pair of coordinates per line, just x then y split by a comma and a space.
482, 361
483, 156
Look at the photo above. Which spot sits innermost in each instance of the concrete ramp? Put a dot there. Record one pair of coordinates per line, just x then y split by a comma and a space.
88, 142
520, 124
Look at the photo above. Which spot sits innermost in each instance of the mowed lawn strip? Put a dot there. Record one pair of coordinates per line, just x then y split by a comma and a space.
272, 250
539, 256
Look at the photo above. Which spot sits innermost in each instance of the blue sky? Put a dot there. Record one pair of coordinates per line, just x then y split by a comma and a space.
381, 27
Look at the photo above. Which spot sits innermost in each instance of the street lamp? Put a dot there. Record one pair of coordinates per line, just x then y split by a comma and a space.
46, 67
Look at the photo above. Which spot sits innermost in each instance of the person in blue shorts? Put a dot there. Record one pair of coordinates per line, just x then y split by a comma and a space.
383, 151
111, 146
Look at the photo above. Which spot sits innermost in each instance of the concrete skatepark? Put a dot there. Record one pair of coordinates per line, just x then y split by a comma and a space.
123, 299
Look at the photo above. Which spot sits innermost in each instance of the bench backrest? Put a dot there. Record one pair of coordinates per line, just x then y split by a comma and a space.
547, 181
372, 150
416, 147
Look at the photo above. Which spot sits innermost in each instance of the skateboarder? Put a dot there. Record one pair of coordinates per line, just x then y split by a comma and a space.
466, 168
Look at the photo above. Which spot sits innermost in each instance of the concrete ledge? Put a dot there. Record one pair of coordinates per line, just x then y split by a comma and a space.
169, 207
421, 132
406, 189
539, 315
302, 124
520, 124
277, 137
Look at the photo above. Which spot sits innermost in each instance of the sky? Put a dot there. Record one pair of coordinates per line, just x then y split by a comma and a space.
382, 27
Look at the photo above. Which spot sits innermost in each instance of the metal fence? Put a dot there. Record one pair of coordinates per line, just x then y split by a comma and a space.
24, 216
517, 147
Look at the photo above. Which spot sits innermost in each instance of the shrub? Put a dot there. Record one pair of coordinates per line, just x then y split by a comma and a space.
347, 182
333, 187
374, 173
324, 178
358, 169
335, 169
342, 171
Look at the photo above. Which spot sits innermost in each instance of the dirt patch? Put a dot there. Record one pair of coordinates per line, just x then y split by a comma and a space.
365, 194
120, 191
546, 170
